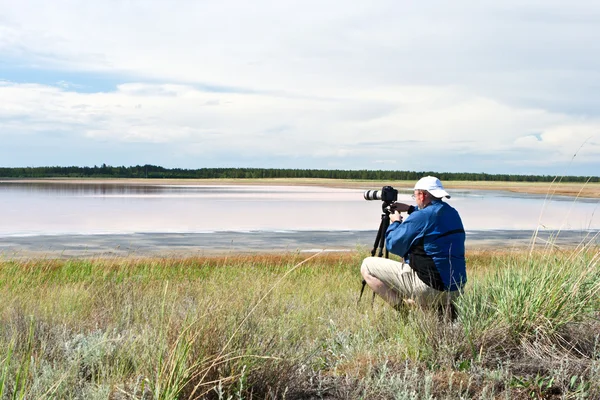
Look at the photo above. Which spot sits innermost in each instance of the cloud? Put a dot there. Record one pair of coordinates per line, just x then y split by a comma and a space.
310, 47
569, 141
330, 82
420, 121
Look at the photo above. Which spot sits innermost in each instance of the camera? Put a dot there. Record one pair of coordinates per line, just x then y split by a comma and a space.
387, 194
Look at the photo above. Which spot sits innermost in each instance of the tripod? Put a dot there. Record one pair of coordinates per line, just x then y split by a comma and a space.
380, 238
379, 242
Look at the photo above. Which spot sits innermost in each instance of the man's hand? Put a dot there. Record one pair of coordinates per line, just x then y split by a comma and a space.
395, 217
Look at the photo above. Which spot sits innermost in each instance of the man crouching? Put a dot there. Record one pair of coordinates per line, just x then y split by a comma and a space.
431, 241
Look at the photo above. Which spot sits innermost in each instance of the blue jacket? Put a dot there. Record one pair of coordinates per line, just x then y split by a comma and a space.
432, 241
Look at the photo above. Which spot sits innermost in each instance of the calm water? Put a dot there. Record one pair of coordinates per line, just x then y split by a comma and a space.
40, 214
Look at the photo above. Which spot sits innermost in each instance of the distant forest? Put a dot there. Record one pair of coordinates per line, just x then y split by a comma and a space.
153, 171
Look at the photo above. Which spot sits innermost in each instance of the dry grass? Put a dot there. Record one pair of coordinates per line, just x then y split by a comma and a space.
267, 326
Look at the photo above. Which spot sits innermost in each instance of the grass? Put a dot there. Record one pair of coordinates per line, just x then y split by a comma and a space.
282, 326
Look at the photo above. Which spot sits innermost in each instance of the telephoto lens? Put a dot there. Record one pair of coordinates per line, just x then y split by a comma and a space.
387, 194
373, 195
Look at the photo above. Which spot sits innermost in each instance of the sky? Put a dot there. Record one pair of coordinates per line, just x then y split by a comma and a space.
462, 86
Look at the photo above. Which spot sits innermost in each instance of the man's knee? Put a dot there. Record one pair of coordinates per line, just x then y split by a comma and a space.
364, 269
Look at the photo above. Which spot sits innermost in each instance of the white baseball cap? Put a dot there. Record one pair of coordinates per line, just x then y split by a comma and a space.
433, 185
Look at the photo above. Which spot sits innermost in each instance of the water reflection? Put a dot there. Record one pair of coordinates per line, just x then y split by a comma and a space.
116, 189
68, 189
49, 208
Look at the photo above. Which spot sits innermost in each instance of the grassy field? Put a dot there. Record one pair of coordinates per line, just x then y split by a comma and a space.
286, 326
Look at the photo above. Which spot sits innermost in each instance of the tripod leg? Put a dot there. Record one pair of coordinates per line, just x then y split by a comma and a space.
379, 243
379, 238
385, 223
361, 291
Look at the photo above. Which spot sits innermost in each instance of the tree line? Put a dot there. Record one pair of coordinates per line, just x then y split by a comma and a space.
154, 171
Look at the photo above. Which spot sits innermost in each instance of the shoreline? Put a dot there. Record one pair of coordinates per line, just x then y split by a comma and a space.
572, 189
180, 245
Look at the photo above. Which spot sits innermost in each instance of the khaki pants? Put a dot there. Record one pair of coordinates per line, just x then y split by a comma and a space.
401, 278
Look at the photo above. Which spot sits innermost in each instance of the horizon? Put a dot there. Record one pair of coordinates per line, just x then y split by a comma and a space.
292, 169
507, 88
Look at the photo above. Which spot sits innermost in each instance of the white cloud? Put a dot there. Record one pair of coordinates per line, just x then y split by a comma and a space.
340, 80
437, 120
307, 47
566, 141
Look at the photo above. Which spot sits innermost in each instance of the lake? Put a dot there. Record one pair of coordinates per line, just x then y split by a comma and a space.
96, 218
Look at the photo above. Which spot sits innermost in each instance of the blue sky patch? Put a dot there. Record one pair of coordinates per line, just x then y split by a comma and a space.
83, 82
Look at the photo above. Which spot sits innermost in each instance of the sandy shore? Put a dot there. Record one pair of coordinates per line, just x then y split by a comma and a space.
222, 243
589, 190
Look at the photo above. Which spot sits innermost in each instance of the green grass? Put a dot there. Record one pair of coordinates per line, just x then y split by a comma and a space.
266, 326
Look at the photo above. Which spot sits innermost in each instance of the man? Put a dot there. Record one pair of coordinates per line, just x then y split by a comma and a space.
432, 243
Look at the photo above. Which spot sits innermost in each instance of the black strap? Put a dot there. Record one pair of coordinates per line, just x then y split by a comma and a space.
452, 232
